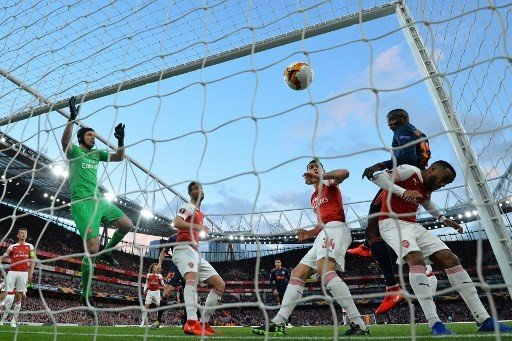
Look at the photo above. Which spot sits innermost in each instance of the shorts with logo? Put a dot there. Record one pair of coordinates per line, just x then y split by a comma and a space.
152, 296
88, 214
188, 260
405, 237
16, 280
332, 242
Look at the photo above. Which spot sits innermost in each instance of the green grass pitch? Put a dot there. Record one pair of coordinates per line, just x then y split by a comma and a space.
464, 331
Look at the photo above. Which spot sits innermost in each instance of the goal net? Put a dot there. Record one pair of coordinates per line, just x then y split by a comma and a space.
199, 86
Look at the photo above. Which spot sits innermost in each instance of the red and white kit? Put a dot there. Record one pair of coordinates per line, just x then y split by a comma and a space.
186, 257
335, 238
403, 233
152, 288
20, 255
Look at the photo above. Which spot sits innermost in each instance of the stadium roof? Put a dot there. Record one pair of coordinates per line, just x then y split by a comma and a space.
32, 181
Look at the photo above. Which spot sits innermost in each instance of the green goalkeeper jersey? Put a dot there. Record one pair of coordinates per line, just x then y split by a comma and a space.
83, 171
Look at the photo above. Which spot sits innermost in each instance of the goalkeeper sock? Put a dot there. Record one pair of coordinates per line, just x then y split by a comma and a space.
87, 273
421, 286
16, 311
291, 297
190, 296
213, 299
381, 254
116, 238
460, 281
340, 292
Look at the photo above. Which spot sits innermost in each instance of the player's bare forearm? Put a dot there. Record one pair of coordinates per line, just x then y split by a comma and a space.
66, 136
118, 155
181, 224
161, 258
337, 175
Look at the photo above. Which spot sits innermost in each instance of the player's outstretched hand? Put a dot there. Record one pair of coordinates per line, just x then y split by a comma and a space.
413, 196
302, 235
453, 224
119, 132
73, 109
368, 172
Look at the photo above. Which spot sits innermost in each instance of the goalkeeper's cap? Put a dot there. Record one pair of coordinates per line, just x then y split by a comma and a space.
81, 133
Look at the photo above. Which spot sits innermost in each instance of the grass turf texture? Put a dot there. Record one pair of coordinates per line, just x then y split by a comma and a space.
464, 331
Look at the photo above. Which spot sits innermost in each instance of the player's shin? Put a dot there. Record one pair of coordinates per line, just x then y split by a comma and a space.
420, 284
292, 294
190, 296
460, 281
87, 273
341, 293
212, 300
116, 238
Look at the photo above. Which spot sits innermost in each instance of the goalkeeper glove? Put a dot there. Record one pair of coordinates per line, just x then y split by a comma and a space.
73, 109
119, 134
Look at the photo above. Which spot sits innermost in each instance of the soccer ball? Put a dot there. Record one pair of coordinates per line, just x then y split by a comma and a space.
298, 75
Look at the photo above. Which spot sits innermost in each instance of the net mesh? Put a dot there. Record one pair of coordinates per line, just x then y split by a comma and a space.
244, 135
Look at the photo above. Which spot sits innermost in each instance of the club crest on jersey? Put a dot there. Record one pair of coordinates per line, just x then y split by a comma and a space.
191, 264
405, 243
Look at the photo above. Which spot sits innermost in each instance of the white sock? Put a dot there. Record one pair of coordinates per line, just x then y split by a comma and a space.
144, 317
341, 293
420, 284
16, 311
291, 297
190, 296
213, 299
460, 281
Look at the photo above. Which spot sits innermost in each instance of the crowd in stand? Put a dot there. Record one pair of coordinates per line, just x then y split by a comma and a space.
238, 271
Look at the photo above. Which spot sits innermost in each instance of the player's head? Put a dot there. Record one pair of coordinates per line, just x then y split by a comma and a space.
86, 137
153, 268
315, 166
195, 190
277, 263
438, 175
22, 234
396, 118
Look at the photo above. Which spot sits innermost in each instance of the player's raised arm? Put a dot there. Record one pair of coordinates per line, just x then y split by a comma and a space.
119, 135
68, 130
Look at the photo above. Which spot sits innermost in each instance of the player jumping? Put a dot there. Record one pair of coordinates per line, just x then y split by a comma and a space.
87, 208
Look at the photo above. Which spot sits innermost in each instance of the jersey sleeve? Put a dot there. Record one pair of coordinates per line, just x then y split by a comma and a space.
386, 180
73, 152
9, 250
185, 211
103, 155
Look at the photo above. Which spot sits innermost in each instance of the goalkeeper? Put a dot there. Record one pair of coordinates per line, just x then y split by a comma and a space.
87, 208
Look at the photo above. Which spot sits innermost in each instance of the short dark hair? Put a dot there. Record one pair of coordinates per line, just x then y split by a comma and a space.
314, 161
192, 184
445, 165
275, 260
398, 113
22, 229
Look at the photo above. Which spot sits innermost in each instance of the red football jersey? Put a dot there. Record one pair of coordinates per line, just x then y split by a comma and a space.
330, 203
154, 282
189, 213
409, 178
20, 253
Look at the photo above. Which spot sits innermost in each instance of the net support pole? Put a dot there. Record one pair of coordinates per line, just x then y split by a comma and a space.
246, 50
486, 205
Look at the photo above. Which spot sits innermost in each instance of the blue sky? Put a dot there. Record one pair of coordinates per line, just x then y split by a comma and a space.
184, 131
